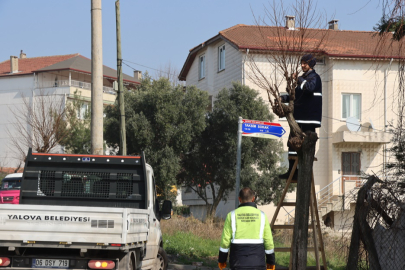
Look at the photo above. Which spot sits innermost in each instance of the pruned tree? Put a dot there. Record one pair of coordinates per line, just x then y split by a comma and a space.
37, 124
281, 47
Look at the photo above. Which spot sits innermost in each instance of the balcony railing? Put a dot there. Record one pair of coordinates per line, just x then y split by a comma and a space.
73, 83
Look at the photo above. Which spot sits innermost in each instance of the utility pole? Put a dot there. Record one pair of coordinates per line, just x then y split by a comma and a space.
238, 162
96, 79
123, 137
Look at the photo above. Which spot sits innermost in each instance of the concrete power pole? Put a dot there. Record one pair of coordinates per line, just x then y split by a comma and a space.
96, 79
123, 137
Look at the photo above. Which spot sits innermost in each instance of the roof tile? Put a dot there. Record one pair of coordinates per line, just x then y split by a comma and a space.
29, 65
336, 42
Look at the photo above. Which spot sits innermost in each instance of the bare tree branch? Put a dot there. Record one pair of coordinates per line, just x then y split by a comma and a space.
37, 122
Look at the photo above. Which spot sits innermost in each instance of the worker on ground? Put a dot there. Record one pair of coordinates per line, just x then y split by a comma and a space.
248, 236
307, 104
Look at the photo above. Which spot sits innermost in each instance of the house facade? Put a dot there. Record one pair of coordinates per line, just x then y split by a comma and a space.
358, 103
26, 79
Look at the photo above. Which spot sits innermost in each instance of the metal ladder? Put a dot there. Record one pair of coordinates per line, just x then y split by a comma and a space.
314, 220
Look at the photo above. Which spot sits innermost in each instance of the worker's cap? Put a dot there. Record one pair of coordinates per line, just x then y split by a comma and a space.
309, 59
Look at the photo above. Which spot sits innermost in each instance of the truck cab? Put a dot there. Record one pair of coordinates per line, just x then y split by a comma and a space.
10, 188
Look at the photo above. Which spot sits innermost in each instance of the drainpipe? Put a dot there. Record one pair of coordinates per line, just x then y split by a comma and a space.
385, 113
243, 67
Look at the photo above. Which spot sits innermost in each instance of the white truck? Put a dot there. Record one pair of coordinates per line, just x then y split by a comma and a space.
84, 212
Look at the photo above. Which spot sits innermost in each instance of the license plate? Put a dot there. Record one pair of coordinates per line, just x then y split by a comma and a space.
50, 263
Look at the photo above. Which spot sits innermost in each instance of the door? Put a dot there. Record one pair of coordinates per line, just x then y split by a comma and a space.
154, 233
350, 168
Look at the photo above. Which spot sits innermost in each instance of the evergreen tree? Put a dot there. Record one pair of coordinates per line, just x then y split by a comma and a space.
163, 120
210, 166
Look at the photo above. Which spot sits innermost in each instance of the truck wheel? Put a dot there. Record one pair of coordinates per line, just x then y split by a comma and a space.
161, 260
126, 262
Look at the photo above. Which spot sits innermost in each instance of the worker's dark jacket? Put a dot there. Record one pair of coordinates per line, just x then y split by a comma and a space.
308, 99
248, 236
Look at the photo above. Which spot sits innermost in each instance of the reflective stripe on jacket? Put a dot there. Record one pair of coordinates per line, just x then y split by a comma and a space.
308, 99
248, 236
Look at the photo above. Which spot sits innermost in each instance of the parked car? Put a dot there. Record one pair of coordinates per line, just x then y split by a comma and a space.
10, 188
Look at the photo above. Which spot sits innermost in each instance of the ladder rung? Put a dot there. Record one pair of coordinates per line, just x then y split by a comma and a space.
288, 204
313, 249
282, 249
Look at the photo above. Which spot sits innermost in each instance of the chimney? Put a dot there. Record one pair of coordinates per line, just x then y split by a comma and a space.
13, 64
22, 55
333, 24
290, 22
137, 75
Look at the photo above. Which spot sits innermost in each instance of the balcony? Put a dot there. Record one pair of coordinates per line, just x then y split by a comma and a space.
361, 137
73, 83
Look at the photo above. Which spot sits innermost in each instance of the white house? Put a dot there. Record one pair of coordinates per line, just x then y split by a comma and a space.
353, 86
60, 75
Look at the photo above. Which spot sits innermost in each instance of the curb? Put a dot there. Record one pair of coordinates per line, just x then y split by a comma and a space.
190, 267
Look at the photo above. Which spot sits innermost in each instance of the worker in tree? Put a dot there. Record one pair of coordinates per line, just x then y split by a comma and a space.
307, 104
248, 236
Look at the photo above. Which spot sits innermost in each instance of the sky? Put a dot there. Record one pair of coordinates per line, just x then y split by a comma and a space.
154, 33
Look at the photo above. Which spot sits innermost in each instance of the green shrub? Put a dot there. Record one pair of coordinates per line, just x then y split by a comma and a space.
181, 210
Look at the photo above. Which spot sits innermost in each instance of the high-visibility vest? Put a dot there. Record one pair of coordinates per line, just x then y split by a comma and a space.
247, 225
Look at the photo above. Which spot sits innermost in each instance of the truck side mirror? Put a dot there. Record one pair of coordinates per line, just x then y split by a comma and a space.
166, 212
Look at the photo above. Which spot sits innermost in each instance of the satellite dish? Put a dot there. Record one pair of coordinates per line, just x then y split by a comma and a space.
352, 124
371, 125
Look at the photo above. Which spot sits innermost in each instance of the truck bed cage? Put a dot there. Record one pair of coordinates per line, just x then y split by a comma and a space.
84, 180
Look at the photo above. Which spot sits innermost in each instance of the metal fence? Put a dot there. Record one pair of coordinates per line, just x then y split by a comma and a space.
390, 245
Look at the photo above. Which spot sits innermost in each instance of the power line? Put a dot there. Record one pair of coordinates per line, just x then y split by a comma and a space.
159, 70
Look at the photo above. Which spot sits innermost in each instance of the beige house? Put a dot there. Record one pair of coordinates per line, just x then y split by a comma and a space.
60, 75
354, 87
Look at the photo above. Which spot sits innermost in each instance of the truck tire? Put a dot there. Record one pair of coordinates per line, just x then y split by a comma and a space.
126, 262
161, 260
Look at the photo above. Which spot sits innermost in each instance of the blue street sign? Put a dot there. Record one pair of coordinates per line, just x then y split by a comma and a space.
262, 129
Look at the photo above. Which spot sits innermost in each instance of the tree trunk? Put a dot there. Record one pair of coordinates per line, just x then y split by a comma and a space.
300, 236
361, 230
212, 209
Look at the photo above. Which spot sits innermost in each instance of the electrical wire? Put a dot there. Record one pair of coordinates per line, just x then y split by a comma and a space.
159, 70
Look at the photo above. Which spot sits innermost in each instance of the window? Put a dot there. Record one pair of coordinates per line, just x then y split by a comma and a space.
351, 106
155, 199
83, 111
320, 60
221, 57
350, 163
11, 184
201, 67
